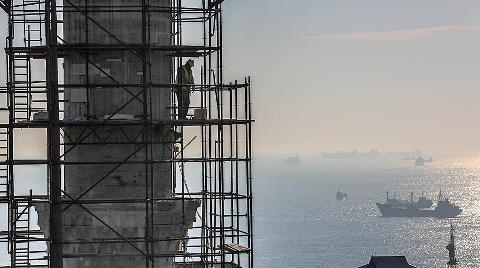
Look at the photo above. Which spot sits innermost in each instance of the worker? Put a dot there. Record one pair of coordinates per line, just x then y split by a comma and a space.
183, 89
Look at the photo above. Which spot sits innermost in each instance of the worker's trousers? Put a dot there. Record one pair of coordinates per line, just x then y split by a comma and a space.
183, 101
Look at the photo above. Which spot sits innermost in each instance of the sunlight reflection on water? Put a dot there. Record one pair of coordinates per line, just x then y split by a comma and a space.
300, 224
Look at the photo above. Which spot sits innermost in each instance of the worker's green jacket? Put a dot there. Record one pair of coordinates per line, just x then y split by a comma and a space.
184, 76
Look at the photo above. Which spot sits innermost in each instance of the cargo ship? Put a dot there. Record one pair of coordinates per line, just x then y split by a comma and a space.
443, 209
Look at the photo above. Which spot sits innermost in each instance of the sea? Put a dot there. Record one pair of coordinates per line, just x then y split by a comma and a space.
299, 223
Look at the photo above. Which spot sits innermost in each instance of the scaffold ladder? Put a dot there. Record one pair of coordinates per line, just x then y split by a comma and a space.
21, 234
22, 86
33, 18
3, 166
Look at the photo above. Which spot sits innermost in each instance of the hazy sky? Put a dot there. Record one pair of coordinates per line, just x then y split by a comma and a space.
343, 75
340, 75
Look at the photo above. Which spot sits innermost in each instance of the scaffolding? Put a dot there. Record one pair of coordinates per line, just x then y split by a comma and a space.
210, 154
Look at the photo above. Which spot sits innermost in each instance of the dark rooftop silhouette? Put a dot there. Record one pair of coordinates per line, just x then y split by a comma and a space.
387, 262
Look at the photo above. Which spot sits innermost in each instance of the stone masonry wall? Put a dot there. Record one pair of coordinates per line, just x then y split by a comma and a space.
171, 219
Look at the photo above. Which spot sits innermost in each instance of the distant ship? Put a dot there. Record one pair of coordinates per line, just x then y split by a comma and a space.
444, 209
352, 155
341, 196
294, 160
406, 155
419, 161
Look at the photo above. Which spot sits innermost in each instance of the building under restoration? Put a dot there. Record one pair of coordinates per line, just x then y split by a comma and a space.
129, 183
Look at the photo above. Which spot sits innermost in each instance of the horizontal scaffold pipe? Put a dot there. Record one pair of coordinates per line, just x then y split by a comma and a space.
184, 160
172, 122
178, 196
156, 255
159, 161
199, 87
137, 8
143, 239
228, 196
122, 46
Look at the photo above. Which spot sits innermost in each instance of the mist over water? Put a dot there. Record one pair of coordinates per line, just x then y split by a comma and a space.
298, 222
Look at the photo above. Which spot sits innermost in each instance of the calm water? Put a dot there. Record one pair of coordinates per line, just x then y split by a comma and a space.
299, 223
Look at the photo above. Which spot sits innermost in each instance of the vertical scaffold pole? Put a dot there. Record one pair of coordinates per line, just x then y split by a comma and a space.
53, 131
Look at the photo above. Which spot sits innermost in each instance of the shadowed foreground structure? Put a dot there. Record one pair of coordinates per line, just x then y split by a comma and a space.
387, 262
98, 77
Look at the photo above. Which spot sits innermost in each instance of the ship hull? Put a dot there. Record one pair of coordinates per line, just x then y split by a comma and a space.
387, 210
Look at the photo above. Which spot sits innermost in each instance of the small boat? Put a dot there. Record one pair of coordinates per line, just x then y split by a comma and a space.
341, 196
294, 160
420, 161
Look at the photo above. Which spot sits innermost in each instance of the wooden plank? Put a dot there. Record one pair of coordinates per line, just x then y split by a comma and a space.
236, 248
